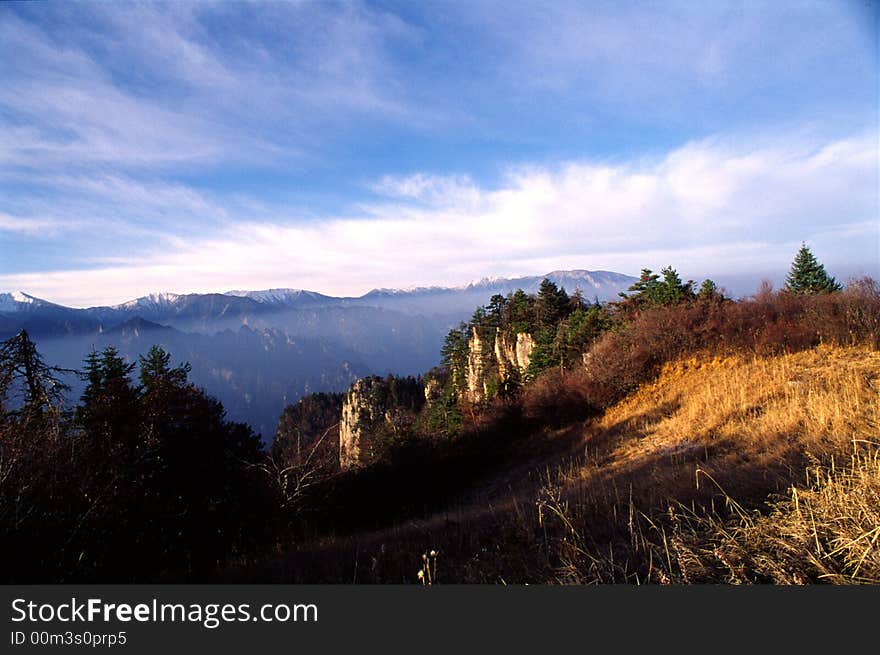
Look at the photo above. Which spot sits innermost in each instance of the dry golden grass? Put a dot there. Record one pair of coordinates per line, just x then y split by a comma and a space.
819, 399
680, 460
825, 531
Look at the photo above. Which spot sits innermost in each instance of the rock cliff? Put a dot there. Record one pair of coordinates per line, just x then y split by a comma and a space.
357, 413
495, 359
376, 411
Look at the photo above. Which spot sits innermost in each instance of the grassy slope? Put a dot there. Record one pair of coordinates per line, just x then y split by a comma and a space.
687, 480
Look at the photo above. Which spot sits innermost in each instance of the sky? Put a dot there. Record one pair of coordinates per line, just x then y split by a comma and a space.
339, 147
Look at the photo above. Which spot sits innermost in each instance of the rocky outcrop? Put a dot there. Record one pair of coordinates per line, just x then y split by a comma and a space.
513, 354
433, 390
357, 412
496, 364
375, 409
475, 377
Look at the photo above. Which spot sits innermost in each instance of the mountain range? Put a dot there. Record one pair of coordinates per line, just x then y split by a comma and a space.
257, 351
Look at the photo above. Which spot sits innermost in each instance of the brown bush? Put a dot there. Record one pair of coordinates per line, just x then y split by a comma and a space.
559, 397
768, 323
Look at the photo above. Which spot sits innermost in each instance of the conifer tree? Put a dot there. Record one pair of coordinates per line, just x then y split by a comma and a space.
808, 275
518, 310
24, 373
708, 290
156, 369
552, 304
652, 290
109, 405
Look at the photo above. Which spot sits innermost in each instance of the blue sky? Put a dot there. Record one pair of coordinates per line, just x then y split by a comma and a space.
345, 146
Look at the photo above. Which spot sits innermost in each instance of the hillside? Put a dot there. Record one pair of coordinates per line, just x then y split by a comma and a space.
666, 484
674, 436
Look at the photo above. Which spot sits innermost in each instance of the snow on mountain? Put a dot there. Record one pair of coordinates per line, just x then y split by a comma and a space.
419, 299
279, 296
599, 280
18, 300
604, 284
151, 301
385, 291
482, 282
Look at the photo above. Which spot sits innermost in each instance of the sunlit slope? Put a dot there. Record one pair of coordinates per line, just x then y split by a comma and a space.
735, 469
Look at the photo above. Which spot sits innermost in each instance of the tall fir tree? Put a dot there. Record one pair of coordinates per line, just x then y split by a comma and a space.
552, 304
808, 275
23, 373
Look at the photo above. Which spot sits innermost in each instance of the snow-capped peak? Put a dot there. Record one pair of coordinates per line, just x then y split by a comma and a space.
399, 291
483, 282
151, 300
14, 301
270, 296
21, 296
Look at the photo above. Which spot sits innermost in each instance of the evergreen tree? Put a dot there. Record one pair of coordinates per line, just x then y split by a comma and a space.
109, 409
519, 312
33, 385
552, 304
672, 290
156, 369
495, 310
583, 327
708, 291
651, 290
642, 292
92, 376
808, 276
453, 356
303, 424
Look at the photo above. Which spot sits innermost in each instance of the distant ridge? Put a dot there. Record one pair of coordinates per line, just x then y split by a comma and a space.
258, 350
601, 284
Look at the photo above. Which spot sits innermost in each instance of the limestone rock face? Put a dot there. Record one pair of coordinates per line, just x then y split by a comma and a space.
373, 409
356, 411
499, 362
433, 390
525, 344
512, 355
475, 379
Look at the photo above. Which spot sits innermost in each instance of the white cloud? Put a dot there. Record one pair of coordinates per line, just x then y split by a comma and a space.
712, 207
34, 225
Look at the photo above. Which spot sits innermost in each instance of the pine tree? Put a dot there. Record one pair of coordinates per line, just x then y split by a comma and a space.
552, 304
453, 355
156, 369
808, 276
650, 290
673, 290
109, 405
495, 310
576, 301
519, 312
708, 291
23, 373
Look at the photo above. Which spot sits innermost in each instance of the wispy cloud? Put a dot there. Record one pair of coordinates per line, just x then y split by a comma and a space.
712, 207
427, 188
148, 86
34, 225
